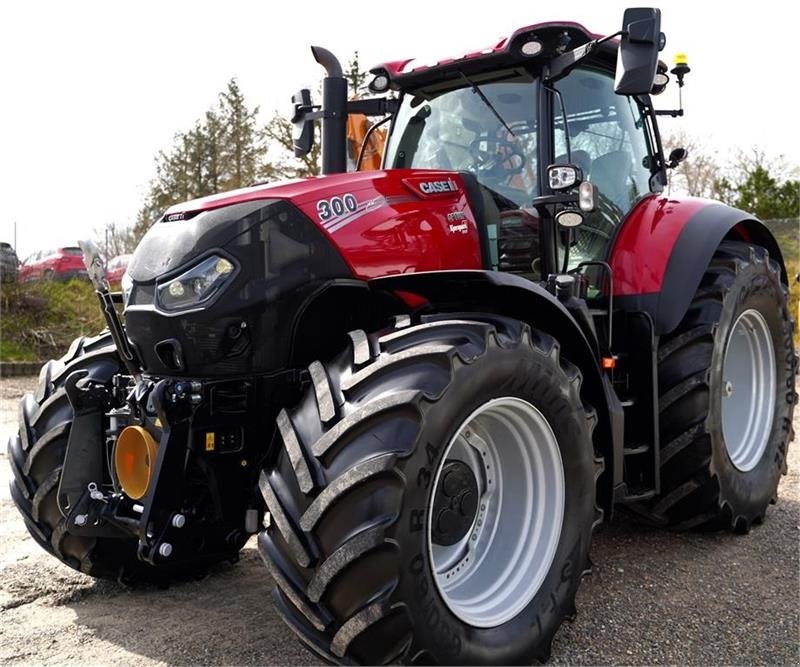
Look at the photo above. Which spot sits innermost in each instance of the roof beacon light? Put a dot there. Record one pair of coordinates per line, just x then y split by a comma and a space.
681, 67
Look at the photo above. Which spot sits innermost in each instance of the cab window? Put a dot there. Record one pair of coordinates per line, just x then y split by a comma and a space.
608, 141
488, 130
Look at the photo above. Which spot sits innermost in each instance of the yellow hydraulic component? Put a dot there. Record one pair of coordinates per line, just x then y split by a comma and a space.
134, 460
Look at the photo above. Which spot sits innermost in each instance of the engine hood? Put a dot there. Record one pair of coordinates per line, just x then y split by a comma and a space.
295, 189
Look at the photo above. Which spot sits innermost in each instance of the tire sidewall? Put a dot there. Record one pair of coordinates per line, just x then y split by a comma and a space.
523, 372
755, 287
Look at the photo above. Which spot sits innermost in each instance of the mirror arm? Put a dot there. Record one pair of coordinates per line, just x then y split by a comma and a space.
374, 106
675, 113
562, 65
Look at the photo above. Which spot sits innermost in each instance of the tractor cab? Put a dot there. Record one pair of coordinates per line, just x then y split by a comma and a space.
550, 95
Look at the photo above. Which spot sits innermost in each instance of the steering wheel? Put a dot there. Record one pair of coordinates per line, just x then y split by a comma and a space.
496, 156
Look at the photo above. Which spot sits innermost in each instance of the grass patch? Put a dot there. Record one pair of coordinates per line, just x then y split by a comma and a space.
787, 232
39, 320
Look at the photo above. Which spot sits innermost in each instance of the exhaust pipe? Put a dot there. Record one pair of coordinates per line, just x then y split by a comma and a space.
334, 113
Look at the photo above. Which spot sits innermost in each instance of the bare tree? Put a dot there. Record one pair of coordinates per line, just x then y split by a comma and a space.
699, 174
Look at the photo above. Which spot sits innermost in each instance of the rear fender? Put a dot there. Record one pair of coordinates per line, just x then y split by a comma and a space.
665, 246
513, 296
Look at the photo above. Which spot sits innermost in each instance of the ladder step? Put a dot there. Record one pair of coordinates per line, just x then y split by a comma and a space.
639, 449
628, 402
598, 312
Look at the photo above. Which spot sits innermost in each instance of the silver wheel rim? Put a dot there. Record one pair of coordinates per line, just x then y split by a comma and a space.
493, 572
748, 390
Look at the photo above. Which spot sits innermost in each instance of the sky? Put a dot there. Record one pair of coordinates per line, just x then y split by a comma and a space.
91, 91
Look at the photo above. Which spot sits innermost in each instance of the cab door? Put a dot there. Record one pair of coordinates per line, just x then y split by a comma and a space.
609, 141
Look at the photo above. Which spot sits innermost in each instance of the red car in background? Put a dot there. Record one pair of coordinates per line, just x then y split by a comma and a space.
116, 268
59, 264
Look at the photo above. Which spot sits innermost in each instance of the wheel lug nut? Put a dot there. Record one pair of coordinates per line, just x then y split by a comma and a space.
728, 389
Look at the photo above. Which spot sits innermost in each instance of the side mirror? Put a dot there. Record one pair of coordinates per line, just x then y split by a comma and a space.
676, 156
303, 132
637, 57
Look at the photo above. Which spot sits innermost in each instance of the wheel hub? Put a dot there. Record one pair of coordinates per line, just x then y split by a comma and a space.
455, 504
496, 512
749, 386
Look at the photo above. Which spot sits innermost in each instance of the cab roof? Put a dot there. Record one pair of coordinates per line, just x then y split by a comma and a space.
556, 37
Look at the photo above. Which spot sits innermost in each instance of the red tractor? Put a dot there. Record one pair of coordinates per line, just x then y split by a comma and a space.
424, 386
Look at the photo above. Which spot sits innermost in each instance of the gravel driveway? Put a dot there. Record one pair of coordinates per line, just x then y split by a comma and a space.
654, 598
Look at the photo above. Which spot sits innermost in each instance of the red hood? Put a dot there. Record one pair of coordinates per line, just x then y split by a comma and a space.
294, 189
382, 222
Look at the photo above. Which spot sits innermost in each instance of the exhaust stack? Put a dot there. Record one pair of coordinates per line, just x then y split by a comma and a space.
334, 113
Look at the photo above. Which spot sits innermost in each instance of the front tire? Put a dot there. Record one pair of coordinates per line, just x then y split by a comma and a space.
727, 395
385, 472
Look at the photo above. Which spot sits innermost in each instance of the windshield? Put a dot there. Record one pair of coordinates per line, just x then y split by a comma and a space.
490, 132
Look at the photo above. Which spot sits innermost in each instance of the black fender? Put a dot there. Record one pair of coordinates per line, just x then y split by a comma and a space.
513, 296
690, 256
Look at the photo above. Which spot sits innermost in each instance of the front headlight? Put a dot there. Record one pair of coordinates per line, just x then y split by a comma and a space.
197, 285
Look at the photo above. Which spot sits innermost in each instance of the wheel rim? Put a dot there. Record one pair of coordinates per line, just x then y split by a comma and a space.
489, 574
748, 390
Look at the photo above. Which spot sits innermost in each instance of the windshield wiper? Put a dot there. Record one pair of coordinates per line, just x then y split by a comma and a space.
486, 101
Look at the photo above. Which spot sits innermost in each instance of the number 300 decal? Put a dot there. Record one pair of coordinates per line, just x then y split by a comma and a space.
328, 209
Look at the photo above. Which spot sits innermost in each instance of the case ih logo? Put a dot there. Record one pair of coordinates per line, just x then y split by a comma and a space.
435, 187
431, 186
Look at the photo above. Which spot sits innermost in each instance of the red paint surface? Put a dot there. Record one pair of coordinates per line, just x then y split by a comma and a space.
645, 241
398, 231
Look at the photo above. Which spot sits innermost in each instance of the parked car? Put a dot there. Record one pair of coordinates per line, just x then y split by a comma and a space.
59, 264
116, 268
8, 263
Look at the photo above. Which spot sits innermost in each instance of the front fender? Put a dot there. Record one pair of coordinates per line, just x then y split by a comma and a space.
665, 246
513, 296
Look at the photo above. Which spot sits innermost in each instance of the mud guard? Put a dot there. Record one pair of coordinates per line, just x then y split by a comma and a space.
665, 247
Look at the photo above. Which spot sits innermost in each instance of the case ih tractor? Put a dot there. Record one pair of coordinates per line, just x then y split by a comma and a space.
424, 386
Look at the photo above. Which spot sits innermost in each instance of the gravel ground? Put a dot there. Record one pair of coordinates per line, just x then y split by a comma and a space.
654, 598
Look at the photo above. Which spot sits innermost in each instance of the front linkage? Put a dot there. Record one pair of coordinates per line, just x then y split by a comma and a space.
167, 490
179, 460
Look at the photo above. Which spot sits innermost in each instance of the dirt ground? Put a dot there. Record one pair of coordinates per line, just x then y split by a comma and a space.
654, 598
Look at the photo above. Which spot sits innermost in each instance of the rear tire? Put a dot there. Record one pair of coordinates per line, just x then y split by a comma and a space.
727, 394
359, 473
